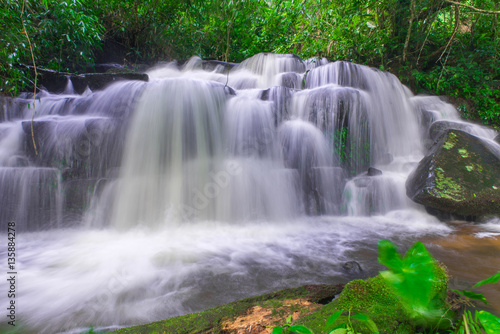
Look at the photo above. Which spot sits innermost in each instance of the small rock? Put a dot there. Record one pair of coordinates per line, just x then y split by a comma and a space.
373, 171
352, 268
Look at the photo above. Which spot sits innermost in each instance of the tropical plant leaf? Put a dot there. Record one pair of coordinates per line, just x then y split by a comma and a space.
411, 277
277, 330
300, 329
472, 295
331, 319
493, 279
367, 321
339, 331
388, 255
490, 322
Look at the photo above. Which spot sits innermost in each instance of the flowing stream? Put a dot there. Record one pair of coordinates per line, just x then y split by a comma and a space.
213, 182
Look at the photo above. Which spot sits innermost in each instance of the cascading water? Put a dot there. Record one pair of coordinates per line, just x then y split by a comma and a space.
205, 185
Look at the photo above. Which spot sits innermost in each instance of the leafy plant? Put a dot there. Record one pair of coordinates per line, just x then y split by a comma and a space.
289, 328
473, 323
415, 280
343, 328
348, 328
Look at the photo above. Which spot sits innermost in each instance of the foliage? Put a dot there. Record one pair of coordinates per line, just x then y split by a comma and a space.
480, 319
414, 278
433, 45
418, 284
64, 36
289, 328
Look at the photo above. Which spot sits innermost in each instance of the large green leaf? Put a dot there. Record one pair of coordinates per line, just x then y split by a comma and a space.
490, 322
412, 277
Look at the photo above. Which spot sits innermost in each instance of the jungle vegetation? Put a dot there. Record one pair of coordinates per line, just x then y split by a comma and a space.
444, 47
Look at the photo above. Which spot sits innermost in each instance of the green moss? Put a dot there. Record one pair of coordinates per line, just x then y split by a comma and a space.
446, 187
463, 152
450, 143
375, 298
372, 297
210, 321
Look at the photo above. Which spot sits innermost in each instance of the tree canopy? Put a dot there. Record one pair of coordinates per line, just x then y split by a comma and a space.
446, 47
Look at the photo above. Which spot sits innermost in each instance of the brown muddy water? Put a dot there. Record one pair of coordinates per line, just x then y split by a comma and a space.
471, 255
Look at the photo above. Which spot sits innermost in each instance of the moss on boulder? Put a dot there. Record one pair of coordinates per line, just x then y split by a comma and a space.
460, 175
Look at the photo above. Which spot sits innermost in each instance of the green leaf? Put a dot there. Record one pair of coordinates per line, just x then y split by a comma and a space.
368, 321
472, 295
277, 330
411, 277
300, 329
331, 319
339, 331
490, 322
388, 255
493, 279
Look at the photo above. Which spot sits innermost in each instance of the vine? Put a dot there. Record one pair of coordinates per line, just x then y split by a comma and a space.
25, 32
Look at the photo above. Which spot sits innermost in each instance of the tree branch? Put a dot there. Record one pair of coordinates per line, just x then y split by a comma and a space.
455, 30
484, 11
412, 18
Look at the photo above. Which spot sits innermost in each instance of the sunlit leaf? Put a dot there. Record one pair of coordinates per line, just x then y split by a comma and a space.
412, 277
331, 320
277, 330
300, 329
490, 322
493, 279
472, 295
367, 321
339, 331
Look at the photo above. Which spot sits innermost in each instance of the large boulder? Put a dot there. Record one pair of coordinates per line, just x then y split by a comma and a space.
460, 176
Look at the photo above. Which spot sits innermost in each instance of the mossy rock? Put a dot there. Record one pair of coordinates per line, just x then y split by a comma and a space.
265, 311
376, 299
460, 176
372, 297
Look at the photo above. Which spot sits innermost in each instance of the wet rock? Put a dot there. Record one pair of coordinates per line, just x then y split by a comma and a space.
56, 82
98, 81
103, 68
77, 194
217, 66
352, 268
497, 139
281, 97
78, 147
326, 192
291, 80
373, 171
459, 176
438, 128
12, 108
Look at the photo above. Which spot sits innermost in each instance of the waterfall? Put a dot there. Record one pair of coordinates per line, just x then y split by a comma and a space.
210, 182
273, 137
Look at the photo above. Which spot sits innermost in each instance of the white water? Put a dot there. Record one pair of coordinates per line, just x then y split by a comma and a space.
210, 186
